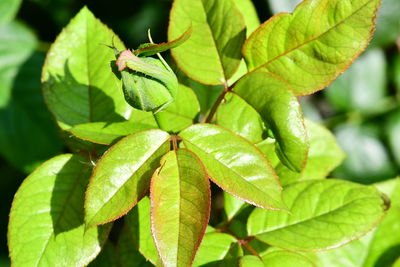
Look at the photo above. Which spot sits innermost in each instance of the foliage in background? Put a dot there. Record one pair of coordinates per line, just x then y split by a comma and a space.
363, 113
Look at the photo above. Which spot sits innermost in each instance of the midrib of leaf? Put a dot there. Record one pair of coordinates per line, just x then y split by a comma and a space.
74, 187
252, 185
313, 218
214, 40
141, 165
313, 39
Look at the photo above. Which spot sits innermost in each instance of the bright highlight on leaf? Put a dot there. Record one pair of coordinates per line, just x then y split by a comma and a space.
311, 47
180, 207
234, 164
122, 176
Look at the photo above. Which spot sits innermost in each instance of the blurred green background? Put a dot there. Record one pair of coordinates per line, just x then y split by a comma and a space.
361, 107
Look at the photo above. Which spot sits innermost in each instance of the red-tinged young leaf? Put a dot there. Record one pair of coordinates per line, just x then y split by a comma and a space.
234, 164
310, 47
153, 49
180, 207
122, 176
281, 112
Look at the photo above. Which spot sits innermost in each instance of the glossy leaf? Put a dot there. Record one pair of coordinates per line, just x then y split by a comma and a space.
17, 43
181, 113
213, 52
180, 207
122, 176
324, 214
367, 159
139, 230
214, 247
324, 155
239, 117
236, 166
78, 83
282, 114
8, 10
107, 133
363, 86
47, 217
378, 248
25, 118
311, 47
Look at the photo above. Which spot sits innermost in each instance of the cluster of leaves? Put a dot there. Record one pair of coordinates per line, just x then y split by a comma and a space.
249, 137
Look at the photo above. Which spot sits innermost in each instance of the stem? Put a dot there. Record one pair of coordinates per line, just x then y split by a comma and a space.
217, 103
245, 243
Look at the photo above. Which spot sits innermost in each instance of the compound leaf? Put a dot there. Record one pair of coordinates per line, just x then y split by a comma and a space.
122, 176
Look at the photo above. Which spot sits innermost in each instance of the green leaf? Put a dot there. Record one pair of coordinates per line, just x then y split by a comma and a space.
267, 147
363, 86
17, 43
78, 83
180, 207
213, 53
127, 251
214, 247
277, 259
152, 49
232, 205
122, 176
25, 118
281, 112
139, 231
47, 217
235, 165
107, 133
311, 47
324, 155
324, 214
278, 6
106, 258
250, 16
8, 10
379, 248
367, 159
181, 113
387, 24
239, 117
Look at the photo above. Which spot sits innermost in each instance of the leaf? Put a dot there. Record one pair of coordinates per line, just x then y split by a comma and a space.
277, 259
8, 10
180, 207
392, 126
379, 248
212, 54
181, 113
281, 112
139, 231
237, 166
325, 214
17, 43
78, 83
106, 258
311, 47
107, 133
363, 86
122, 176
214, 247
127, 252
324, 155
239, 117
25, 118
367, 160
249, 12
232, 205
47, 217
387, 24
152, 49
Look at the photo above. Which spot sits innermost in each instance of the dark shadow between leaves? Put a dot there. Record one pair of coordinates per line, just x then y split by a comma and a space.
389, 257
233, 47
